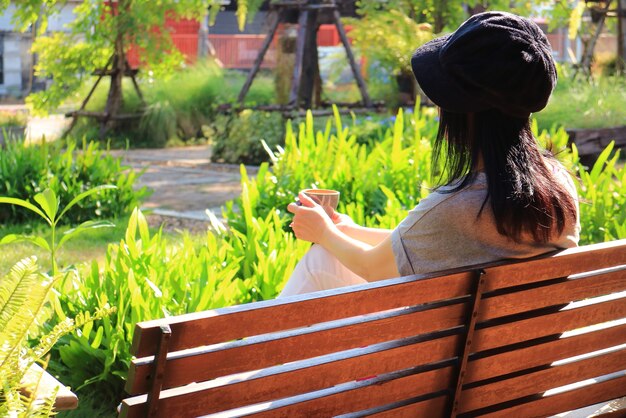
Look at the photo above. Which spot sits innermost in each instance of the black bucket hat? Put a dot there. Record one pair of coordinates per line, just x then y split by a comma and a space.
493, 60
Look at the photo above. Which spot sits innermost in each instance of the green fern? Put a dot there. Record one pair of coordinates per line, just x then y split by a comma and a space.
23, 293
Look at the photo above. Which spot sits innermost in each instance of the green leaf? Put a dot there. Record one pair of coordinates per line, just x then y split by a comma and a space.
98, 339
86, 331
86, 194
15, 238
85, 226
26, 204
598, 166
48, 202
144, 232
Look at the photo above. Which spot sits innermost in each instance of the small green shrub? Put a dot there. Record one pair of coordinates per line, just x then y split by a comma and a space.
50, 210
27, 170
603, 199
381, 177
238, 137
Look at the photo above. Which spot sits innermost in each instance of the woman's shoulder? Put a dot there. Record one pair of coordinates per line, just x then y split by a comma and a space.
446, 205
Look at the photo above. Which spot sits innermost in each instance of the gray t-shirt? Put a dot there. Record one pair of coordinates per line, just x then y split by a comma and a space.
444, 232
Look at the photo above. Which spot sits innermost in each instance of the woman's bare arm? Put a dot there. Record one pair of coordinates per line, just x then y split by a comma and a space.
372, 262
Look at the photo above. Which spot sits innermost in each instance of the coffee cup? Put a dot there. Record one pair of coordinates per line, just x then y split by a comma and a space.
328, 199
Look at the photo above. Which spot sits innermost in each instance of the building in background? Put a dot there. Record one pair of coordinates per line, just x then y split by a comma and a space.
16, 61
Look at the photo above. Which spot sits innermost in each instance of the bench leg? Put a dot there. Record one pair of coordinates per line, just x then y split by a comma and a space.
471, 326
158, 372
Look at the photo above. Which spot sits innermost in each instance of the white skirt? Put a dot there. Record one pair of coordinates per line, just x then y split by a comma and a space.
319, 270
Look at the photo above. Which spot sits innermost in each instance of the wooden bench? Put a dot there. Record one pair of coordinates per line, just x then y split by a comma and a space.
46, 385
511, 339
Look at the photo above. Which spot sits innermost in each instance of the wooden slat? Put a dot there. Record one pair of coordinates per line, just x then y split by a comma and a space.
299, 378
548, 324
260, 352
231, 323
352, 397
543, 380
565, 263
566, 401
558, 293
544, 353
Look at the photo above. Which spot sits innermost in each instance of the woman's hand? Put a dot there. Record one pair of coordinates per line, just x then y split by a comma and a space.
342, 221
310, 221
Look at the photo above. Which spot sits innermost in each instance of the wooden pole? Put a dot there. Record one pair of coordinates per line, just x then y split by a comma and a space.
82, 106
621, 36
310, 65
275, 19
135, 84
353, 65
585, 64
297, 68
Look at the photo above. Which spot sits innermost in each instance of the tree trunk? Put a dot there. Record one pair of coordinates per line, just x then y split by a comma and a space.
115, 97
310, 81
285, 61
621, 36
439, 18
590, 45
203, 37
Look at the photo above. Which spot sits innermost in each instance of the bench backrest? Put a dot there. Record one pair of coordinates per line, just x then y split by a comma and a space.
494, 340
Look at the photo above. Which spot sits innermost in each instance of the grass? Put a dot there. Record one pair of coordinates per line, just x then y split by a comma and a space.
81, 250
580, 104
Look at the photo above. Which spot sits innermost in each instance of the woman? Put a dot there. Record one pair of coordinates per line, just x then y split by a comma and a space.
502, 197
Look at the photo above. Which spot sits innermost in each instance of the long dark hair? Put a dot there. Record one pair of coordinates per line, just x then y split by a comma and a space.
524, 196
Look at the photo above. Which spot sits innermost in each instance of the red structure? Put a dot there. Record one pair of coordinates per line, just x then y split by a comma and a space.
234, 51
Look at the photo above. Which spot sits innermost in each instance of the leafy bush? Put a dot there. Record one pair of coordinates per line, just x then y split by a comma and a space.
237, 138
379, 179
389, 37
27, 170
603, 199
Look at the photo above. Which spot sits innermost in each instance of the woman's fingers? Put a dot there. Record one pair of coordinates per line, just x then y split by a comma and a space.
306, 200
293, 208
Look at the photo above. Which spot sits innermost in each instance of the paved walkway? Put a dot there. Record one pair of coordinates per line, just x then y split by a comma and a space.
184, 181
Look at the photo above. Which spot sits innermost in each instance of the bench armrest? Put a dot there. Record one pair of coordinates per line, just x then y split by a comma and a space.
65, 399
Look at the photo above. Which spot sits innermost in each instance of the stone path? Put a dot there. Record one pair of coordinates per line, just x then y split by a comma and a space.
184, 183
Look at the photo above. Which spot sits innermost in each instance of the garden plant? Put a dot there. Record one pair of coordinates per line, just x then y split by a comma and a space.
26, 297
68, 170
